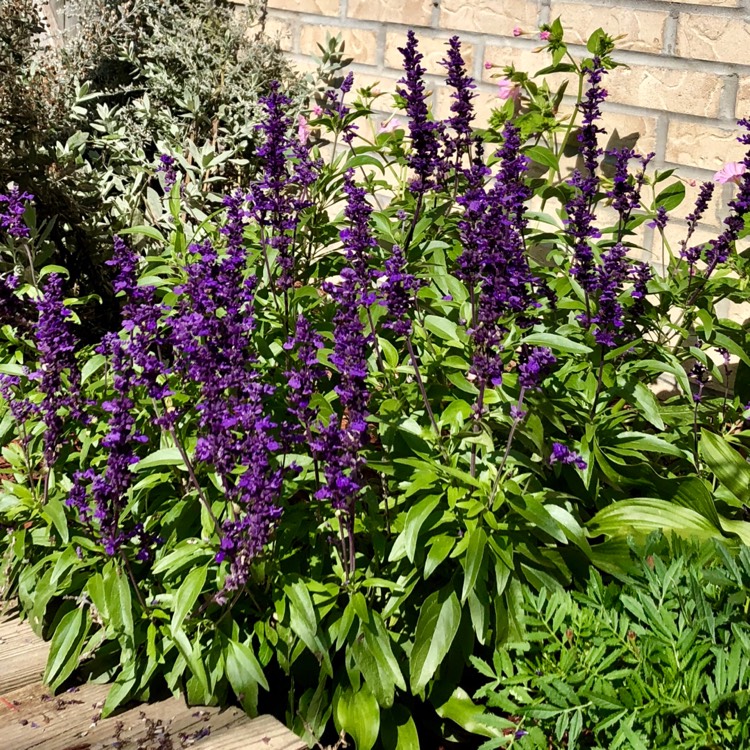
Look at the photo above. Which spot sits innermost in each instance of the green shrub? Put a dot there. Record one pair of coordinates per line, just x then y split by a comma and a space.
85, 121
659, 659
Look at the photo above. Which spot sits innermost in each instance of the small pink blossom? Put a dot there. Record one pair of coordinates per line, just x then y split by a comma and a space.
488, 65
390, 126
303, 130
517, 31
730, 172
317, 110
508, 90
544, 35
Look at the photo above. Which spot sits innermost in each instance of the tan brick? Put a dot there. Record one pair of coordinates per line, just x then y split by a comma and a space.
633, 131
685, 91
702, 146
743, 97
702, 37
525, 60
280, 30
360, 44
433, 50
382, 84
319, 7
707, 3
409, 12
643, 30
497, 17
674, 233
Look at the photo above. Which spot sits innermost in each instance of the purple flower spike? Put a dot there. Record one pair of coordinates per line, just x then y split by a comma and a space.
424, 159
580, 222
58, 374
534, 365
11, 216
561, 454
397, 293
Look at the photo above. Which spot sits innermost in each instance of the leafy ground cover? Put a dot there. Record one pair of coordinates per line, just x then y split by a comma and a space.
364, 430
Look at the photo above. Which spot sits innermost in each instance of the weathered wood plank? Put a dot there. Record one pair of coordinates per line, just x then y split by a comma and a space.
23, 656
263, 733
32, 719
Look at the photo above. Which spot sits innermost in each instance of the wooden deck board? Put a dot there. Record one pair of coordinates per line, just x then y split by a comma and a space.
23, 656
32, 719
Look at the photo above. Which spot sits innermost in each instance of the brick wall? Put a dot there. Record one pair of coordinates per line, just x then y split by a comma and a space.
689, 62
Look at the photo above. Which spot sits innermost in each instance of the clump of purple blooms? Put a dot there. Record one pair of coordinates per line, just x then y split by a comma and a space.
561, 454
13, 205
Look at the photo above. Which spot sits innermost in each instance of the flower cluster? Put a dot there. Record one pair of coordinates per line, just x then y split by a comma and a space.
397, 291
463, 97
580, 208
167, 167
11, 215
718, 249
58, 374
277, 199
425, 158
561, 454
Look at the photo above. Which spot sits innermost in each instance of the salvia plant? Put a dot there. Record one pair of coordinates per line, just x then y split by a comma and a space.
353, 416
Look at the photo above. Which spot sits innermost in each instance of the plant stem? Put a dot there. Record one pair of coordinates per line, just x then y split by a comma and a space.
194, 479
422, 389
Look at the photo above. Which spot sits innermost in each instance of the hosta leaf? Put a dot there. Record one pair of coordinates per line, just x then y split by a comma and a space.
727, 464
646, 515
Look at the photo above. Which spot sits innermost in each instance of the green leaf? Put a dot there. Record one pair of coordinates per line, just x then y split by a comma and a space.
194, 658
645, 442
442, 327
120, 690
66, 646
305, 624
472, 561
244, 674
162, 457
646, 515
92, 366
358, 714
437, 626
727, 464
373, 655
146, 231
671, 196
556, 343
440, 548
187, 595
398, 730
415, 518
461, 709
644, 400
542, 155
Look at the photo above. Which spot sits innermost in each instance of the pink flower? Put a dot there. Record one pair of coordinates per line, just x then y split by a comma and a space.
303, 130
317, 111
488, 65
508, 90
390, 126
730, 172
544, 35
517, 31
